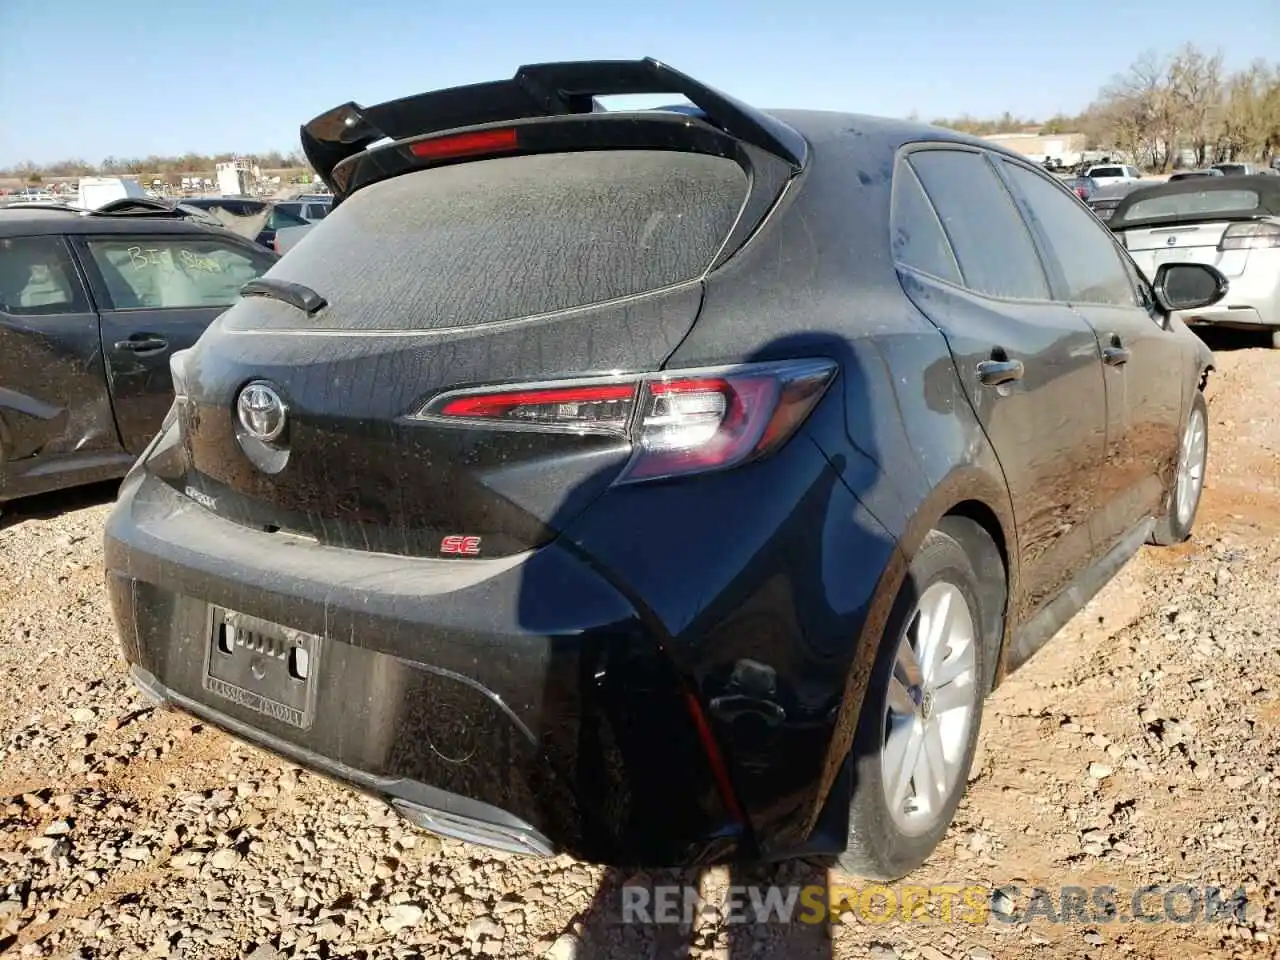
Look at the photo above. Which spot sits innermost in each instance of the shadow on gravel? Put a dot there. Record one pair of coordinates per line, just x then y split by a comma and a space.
1225, 338
45, 506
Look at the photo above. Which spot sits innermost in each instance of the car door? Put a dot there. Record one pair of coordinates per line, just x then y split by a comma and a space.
1031, 367
1141, 357
54, 407
156, 294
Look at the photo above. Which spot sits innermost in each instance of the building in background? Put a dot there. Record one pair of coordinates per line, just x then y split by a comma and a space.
237, 178
1066, 149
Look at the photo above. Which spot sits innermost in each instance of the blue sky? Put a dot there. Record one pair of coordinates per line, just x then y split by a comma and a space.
116, 79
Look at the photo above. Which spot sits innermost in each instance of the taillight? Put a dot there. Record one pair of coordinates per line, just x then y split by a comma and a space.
679, 422
585, 407
1250, 236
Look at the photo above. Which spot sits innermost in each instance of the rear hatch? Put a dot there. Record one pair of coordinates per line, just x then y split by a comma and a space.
440, 273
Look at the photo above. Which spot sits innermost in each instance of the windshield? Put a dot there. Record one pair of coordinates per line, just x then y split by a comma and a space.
1231, 167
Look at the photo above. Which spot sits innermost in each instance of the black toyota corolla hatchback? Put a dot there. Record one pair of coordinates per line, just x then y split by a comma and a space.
661, 487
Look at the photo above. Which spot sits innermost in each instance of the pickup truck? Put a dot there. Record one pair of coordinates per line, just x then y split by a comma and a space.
92, 306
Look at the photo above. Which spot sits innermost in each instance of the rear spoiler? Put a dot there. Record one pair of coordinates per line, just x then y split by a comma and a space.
536, 91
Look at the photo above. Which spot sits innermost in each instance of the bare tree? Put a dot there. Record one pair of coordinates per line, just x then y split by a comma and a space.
1195, 82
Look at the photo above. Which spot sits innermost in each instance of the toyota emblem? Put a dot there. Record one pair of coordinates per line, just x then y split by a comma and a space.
261, 411
1171, 241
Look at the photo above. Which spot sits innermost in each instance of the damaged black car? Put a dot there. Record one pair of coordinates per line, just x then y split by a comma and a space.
659, 486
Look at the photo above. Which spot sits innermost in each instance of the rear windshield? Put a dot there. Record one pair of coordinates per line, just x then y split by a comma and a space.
1180, 206
512, 237
1107, 172
1230, 168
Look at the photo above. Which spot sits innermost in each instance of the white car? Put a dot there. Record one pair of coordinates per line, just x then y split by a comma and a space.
1107, 174
1232, 223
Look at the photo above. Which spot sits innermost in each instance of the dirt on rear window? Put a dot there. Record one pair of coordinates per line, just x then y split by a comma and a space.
507, 238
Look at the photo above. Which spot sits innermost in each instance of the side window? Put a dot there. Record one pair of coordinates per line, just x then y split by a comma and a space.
918, 240
37, 278
157, 272
1091, 266
294, 208
991, 243
318, 211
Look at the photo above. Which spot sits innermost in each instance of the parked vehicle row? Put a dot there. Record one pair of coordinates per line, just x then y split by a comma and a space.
656, 486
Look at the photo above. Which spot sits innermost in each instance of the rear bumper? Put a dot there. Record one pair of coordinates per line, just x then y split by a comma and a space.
1244, 315
1253, 296
470, 694
436, 810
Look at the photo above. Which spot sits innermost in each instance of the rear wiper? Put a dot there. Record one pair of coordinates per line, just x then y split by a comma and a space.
294, 294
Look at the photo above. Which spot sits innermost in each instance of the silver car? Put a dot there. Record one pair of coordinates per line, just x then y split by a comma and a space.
1104, 200
1232, 223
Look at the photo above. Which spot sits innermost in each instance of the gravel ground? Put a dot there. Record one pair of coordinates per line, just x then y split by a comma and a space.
1140, 747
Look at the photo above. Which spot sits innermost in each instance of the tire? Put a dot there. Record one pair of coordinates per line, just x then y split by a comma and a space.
883, 845
1179, 513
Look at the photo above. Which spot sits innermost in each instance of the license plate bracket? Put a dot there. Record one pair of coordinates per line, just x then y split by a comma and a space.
262, 666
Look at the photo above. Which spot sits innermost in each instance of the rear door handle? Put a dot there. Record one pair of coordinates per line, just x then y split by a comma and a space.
992, 373
1115, 356
142, 344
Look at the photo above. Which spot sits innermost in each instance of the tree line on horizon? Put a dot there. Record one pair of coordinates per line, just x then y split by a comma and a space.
1159, 107
1165, 104
166, 168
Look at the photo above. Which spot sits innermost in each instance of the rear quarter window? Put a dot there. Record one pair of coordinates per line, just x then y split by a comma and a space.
38, 278
512, 237
918, 240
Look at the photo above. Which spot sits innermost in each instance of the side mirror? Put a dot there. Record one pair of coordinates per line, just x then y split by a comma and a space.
1188, 286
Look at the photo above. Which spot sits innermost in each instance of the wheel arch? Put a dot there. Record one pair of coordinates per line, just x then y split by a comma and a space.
974, 506
978, 530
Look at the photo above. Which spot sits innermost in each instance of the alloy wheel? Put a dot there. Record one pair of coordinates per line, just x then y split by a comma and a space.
929, 708
1191, 466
